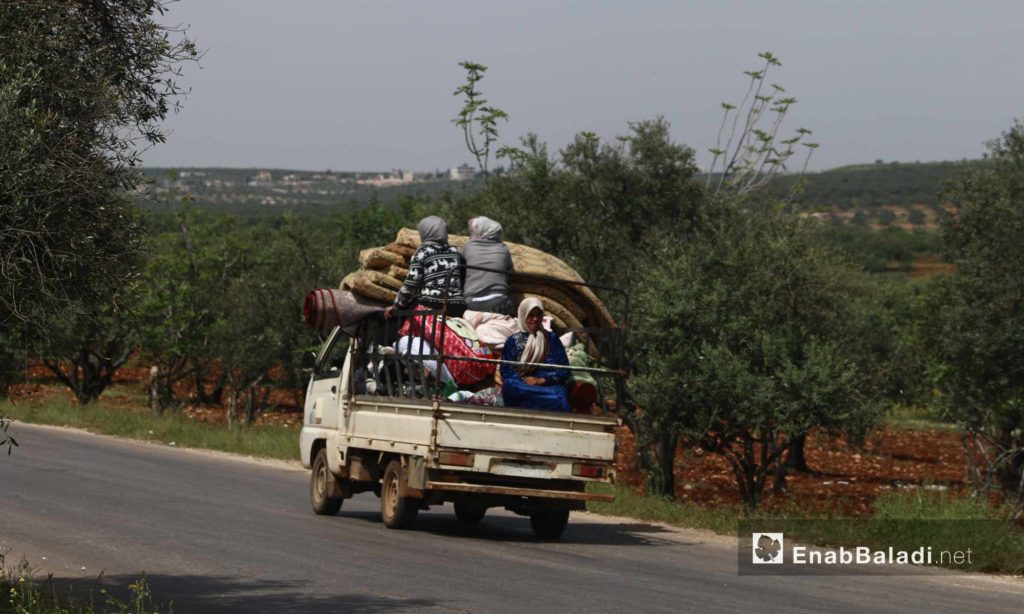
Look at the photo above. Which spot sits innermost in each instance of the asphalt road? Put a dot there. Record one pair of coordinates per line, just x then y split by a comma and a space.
220, 533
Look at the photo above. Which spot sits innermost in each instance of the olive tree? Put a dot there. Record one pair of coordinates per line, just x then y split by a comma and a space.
84, 86
83, 89
87, 348
220, 302
978, 326
258, 326
745, 337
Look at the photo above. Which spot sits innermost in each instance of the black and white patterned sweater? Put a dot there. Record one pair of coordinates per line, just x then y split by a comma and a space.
428, 274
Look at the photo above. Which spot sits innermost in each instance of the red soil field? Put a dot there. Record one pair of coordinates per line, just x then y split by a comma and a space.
844, 478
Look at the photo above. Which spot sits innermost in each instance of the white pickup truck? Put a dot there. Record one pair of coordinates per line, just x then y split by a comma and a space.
415, 449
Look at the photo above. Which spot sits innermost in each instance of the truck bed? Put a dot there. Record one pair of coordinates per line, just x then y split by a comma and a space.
498, 436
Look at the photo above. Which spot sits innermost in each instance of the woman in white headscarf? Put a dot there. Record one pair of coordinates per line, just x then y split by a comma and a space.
534, 387
487, 290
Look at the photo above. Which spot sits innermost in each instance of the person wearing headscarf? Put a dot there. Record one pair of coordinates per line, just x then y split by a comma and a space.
534, 387
434, 279
487, 290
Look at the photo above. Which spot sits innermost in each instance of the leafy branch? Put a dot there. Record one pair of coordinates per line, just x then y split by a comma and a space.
753, 151
478, 120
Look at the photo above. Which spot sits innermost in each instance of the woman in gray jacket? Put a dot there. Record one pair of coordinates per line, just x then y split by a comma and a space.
486, 290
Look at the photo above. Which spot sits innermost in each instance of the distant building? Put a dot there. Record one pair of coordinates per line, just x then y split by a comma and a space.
397, 177
461, 173
263, 179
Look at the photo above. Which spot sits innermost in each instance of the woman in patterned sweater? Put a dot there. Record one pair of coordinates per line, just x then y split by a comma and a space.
428, 282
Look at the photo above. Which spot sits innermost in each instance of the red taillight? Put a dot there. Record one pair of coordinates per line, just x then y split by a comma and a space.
458, 459
588, 471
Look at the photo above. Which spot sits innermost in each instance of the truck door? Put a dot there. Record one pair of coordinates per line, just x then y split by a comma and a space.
327, 385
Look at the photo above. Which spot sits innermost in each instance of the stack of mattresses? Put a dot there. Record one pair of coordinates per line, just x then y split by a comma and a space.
383, 269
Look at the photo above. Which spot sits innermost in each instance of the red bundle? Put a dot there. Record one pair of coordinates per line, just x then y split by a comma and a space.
326, 308
455, 339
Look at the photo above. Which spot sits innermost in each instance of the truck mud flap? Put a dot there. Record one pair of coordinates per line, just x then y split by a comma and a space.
519, 492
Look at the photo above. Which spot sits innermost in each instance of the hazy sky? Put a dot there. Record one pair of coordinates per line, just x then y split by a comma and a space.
368, 85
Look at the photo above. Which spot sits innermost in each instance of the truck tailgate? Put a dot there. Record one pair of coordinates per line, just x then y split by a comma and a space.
527, 432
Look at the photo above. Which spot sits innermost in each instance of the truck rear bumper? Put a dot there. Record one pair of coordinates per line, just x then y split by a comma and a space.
519, 492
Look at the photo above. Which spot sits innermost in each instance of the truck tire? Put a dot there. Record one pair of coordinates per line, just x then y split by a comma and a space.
468, 511
549, 524
396, 511
322, 504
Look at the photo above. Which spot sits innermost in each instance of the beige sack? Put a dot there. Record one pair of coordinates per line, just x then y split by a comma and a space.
404, 251
367, 283
378, 258
397, 272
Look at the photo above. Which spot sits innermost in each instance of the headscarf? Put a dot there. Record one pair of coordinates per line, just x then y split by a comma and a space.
483, 228
536, 349
433, 229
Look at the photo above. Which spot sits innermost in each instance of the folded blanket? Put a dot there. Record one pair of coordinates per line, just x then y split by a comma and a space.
491, 328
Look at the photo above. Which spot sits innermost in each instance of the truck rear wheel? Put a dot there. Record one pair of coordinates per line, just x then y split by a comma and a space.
549, 524
396, 511
468, 511
322, 504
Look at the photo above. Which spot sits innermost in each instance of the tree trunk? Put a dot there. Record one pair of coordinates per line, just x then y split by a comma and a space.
217, 395
779, 480
650, 460
253, 403
1010, 473
232, 406
753, 493
795, 458
154, 391
250, 404
750, 468
200, 385
662, 480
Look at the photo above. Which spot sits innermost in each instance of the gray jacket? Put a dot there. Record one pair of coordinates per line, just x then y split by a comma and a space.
492, 255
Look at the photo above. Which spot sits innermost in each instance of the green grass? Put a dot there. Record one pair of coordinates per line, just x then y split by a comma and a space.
997, 545
919, 417
22, 593
720, 519
136, 422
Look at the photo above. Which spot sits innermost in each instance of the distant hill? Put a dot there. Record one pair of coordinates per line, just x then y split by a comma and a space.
883, 215
877, 194
869, 186
255, 192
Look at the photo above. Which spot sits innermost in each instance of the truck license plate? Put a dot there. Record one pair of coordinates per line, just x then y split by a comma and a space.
522, 470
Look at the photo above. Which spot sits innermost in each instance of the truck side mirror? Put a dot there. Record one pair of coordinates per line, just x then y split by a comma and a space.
308, 361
